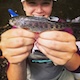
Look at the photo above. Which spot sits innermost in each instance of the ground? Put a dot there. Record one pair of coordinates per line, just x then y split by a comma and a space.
3, 68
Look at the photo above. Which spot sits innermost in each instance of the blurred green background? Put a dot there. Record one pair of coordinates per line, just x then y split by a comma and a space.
62, 8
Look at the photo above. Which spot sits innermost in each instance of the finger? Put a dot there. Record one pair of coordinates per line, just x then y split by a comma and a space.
17, 42
57, 35
54, 59
58, 54
17, 51
18, 33
18, 58
59, 46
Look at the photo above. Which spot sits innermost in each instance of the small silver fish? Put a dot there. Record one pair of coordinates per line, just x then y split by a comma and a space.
35, 24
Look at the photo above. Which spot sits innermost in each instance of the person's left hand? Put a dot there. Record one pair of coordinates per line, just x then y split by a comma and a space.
58, 46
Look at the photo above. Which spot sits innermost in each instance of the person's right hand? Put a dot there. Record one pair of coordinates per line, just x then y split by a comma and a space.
16, 44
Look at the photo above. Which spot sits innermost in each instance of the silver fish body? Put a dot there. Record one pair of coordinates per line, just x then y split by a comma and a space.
35, 24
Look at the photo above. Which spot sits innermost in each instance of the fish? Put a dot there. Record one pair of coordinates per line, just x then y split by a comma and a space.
35, 24
40, 24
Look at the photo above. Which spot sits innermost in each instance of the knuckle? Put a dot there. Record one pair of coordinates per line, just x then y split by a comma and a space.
74, 49
20, 32
2, 35
4, 53
25, 49
68, 57
73, 38
20, 41
63, 62
10, 61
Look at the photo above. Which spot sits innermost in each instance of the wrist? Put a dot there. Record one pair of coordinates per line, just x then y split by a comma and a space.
73, 63
17, 64
77, 70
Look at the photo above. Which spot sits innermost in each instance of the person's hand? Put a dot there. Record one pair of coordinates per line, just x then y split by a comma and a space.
57, 46
16, 44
